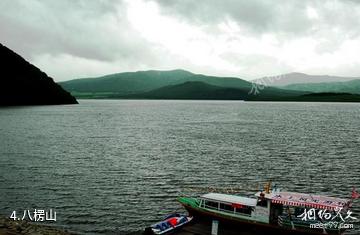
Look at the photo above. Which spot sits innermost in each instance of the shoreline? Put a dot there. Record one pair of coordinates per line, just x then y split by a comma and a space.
23, 227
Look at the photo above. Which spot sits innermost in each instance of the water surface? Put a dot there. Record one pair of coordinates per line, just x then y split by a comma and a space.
115, 166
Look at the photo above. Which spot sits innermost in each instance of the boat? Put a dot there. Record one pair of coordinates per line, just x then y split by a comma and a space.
272, 212
169, 224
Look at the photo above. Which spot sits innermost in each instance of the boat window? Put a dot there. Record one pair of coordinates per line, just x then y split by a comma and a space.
226, 207
211, 204
245, 210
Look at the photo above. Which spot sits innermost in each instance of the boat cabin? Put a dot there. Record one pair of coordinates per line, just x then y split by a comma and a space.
242, 207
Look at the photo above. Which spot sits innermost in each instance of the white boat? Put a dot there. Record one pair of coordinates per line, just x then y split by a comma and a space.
169, 224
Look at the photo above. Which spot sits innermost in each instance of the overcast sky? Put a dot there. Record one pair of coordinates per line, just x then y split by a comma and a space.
244, 38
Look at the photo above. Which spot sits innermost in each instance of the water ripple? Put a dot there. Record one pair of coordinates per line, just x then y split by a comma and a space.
113, 167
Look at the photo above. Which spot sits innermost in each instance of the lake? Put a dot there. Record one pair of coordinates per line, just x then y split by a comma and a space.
115, 166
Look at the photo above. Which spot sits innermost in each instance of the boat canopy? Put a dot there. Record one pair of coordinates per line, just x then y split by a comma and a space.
233, 199
306, 200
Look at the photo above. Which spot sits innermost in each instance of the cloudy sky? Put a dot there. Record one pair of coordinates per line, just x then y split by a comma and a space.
243, 38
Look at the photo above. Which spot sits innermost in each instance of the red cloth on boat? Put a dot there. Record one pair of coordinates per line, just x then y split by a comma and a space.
173, 222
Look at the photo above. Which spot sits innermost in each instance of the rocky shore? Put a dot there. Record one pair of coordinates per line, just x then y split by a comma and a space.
11, 227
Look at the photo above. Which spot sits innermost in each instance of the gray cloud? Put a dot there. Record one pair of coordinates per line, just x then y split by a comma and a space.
262, 16
258, 15
81, 28
66, 38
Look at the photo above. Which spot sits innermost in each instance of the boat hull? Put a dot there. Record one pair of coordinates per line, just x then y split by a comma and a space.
173, 223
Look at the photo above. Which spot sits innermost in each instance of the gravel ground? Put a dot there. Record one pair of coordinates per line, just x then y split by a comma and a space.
11, 227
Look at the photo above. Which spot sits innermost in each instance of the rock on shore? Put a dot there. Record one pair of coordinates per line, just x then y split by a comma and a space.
11, 227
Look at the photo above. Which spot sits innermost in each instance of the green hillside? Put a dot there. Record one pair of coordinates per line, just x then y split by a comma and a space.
352, 87
22, 83
194, 90
126, 83
204, 91
131, 83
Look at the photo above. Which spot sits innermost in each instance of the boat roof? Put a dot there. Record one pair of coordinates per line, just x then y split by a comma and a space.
306, 200
227, 198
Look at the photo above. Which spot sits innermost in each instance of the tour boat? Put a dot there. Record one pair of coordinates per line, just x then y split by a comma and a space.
169, 224
274, 212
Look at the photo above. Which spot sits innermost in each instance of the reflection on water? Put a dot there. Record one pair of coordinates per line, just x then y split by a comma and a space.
116, 166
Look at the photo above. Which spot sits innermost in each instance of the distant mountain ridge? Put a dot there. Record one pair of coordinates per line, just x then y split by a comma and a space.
127, 82
194, 90
132, 83
143, 81
181, 84
300, 78
352, 87
24, 84
204, 91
